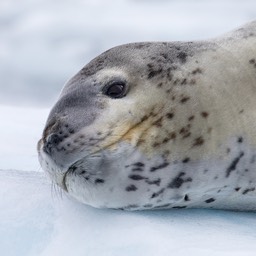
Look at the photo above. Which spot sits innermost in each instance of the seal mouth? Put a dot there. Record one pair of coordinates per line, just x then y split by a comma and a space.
71, 170
90, 165
81, 163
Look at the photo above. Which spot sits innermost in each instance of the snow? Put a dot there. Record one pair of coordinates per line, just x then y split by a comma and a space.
42, 44
20, 129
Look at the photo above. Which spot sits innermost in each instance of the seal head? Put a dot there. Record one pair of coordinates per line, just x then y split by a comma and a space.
139, 127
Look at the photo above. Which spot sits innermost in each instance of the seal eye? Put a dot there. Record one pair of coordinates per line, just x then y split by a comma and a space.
115, 90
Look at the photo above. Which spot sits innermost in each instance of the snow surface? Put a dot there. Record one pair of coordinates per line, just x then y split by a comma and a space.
20, 130
42, 44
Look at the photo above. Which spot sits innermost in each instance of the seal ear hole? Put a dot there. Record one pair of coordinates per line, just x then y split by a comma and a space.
115, 90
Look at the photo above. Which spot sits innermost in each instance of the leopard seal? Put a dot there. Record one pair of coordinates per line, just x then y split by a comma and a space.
159, 125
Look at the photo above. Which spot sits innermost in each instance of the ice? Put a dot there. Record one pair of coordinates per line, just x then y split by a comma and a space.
20, 129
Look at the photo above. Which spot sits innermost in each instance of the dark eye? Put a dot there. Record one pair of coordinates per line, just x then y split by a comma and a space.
115, 90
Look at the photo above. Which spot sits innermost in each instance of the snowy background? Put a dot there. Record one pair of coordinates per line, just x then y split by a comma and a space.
42, 44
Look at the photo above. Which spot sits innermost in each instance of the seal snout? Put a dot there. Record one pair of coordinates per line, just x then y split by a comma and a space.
51, 142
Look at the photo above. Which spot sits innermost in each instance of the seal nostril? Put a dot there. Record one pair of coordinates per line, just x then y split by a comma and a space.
53, 139
51, 142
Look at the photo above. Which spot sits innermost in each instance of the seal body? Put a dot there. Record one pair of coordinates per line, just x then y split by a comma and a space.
159, 125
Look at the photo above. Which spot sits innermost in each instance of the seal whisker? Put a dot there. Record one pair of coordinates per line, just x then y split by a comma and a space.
56, 191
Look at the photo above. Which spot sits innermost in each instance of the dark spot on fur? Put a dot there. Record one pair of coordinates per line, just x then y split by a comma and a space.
156, 194
153, 71
240, 140
165, 140
136, 177
184, 100
252, 61
198, 141
179, 207
204, 114
210, 200
184, 81
234, 163
237, 189
176, 81
139, 164
158, 122
131, 188
169, 74
159, 85
197, 71
140, 141
154, 182
178, 181
182, 56
185, 131
97, 181
172, 135
170, 115
164, 55
161, 166
186, 160
248, 190
191, 118
155, 144
186, 198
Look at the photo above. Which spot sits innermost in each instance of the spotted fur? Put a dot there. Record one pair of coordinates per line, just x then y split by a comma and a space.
182, 136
